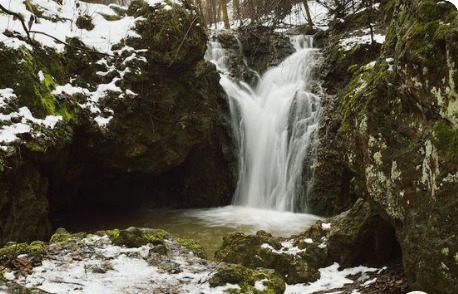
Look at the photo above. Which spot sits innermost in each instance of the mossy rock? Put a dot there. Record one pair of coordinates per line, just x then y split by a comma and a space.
13, 288
34, 250
170, 31
113, 235
84, 22
248, 250
136, 237
248, 280
193, 246
63, 236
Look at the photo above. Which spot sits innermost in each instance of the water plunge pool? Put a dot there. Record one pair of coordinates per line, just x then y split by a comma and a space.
206, 226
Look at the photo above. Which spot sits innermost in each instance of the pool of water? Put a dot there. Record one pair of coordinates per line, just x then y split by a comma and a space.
207, 226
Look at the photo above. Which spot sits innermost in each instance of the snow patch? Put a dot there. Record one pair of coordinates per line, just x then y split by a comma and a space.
330, 278
9, 131
5, 96
326, 226
348, 43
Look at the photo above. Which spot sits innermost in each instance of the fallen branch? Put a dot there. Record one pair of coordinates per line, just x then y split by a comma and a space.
71, 46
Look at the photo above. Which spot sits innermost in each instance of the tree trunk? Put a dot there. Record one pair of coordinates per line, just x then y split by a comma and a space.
307, 13
201, 12
223, 4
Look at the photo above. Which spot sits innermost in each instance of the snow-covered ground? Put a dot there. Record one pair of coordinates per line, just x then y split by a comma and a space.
59, 20
93, 264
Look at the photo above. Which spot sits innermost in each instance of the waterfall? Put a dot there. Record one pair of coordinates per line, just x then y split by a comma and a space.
273, 125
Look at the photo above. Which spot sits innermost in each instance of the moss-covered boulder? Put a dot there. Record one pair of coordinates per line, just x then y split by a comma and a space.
247, 280
135, 237
357, 236
295, 262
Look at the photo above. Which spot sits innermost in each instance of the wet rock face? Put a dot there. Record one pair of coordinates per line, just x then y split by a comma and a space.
252, 49
23, 205
263, 47
398, 119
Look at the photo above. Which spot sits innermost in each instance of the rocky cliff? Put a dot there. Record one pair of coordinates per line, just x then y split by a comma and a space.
117, 107
391, 121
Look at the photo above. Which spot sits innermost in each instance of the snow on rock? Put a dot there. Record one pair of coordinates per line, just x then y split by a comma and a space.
326, 226
60, 21
348, 43
9, 130
287, 248
95, 265
308, 241
330, 278
5, 96
259, 285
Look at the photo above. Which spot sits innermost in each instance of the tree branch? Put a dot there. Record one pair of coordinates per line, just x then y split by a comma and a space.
20, 17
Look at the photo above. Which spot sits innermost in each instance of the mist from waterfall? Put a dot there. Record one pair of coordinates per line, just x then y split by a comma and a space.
273, 124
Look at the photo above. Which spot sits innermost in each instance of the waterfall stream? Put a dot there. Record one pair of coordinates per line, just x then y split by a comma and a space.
273, 125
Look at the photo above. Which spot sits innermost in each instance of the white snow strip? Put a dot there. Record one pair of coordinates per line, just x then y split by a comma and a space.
41, 76
287, 248
259, 285
308, 241
102, 122
326, 226
367, 283
68, 89
350, 42
331, 278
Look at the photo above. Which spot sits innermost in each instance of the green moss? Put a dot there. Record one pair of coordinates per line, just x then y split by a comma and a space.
113, 235
110, 17
63, 236
193, 246
84, 22
446, 140
246, 279
172, 36
35, 250
135, 237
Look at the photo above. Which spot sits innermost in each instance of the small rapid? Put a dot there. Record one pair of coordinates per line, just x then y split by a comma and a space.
273, 125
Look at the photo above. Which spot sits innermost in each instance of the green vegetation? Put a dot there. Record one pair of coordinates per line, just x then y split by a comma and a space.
34, 250
195, 247
246, 279
446, 140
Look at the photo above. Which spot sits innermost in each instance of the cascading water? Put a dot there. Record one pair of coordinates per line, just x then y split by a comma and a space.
273, 125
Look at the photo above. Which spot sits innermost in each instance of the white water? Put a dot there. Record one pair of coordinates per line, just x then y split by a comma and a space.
273, 125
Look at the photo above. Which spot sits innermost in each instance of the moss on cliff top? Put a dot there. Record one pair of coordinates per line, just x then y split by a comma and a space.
171, 31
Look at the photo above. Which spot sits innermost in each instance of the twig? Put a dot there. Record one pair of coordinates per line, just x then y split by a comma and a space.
182, 42
21, 18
